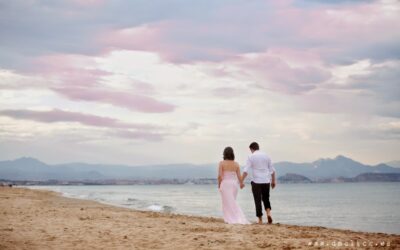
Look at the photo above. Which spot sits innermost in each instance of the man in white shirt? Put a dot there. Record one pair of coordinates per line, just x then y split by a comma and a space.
263, 177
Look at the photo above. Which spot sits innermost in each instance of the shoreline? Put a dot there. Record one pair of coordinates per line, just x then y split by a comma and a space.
167, 207
43, 219
194, 215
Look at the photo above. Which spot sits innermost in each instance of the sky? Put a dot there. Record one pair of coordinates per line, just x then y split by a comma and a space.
172, 81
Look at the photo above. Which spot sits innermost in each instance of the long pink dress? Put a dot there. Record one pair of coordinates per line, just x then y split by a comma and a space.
229, 189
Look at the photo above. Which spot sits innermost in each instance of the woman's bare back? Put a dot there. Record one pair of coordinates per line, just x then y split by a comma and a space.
229, 166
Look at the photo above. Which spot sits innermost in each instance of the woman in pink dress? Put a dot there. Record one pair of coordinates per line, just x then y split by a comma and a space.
229, 179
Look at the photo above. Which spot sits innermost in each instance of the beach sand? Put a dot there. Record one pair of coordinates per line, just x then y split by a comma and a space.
38, 219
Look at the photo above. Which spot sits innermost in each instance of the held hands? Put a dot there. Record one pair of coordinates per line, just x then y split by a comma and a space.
241, 185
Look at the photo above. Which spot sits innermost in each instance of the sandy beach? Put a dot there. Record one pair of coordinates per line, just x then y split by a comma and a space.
37, 219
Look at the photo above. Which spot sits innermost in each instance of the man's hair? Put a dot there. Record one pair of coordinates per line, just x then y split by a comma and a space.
228, 154
254, 146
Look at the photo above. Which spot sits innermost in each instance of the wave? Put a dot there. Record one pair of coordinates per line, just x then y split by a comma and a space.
160, 208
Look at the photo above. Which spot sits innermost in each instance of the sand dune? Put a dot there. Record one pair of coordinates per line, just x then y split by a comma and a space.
36, 219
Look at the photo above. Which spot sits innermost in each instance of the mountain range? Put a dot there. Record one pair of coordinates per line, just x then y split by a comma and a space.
395, 164
27, 168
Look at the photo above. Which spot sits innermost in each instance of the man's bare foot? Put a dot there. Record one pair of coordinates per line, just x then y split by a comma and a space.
260, 222
269, 219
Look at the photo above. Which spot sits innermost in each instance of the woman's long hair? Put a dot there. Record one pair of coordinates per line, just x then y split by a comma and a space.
228, 154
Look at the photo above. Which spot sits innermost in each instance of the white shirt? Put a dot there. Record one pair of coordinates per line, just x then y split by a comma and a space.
261, 166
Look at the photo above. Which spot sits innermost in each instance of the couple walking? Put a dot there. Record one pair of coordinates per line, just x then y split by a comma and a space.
230, 179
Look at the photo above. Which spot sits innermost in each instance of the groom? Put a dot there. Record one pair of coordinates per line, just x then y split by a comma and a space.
263, 176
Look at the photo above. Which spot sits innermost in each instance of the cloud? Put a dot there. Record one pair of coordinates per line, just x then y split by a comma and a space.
347, 103
79, 78
57, 115
273, 73
145, 135
172, 60
378, 131
282, 71
67, 27
89, 3
131, 101
175, 41
203, 31
118, 128
382, 81
375, 90
311, 3
338, 31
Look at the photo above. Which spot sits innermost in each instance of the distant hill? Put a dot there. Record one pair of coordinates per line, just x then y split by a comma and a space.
395, 164
340, 166
366, 177
27, 168
32, 169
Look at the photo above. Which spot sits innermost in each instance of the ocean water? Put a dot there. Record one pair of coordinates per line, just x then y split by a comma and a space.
369, 207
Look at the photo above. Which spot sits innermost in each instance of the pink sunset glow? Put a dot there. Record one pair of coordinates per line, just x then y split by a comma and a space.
187, 78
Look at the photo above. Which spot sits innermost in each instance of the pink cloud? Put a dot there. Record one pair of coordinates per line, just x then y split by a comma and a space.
119, 128
57, 115
166, 39
231, 31
76, 70
127, 100
143, 88
347, 24
274, 73
78, 79
298, 56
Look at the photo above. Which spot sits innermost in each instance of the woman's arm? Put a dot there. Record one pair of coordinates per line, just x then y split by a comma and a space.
239, 176
220, 170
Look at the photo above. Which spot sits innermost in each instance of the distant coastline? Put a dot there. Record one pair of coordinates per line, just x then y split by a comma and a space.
30, 171
286, 179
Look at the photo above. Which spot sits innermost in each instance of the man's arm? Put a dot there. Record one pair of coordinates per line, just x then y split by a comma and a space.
244, 176
242, 181
273, 183
246, 169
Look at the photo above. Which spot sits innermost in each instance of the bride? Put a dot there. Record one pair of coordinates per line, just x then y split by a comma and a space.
229, 179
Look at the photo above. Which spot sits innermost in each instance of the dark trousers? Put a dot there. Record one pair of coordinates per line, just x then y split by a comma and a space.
260, 193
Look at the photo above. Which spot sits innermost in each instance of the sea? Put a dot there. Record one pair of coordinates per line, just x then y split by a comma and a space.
367, 207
